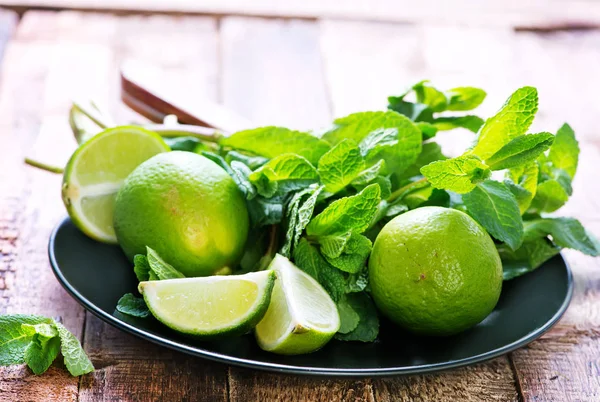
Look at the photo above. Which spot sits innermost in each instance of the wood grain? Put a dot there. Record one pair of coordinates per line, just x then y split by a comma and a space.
491, 12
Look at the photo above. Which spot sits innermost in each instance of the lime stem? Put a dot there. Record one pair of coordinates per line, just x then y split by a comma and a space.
402, 191
43, 166
184, 130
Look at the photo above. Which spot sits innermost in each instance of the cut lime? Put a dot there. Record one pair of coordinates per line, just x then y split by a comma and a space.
210, 306
97, 170
301, 317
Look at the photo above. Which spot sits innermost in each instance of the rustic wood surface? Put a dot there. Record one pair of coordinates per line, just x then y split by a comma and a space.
299, 73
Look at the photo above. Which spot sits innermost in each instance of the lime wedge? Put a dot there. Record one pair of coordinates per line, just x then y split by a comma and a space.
301, 317
97, 170
210, 306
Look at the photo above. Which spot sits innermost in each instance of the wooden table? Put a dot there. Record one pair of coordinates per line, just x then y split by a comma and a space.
291, 72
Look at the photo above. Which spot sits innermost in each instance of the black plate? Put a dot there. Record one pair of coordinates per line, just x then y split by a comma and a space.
97, 275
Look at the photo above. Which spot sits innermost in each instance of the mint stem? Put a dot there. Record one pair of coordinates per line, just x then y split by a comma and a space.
92, 115
402, 191
43, 166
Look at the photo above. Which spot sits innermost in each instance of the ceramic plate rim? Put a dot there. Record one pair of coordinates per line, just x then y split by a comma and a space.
303, 370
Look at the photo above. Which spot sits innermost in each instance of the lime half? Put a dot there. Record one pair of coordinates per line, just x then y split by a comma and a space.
301, 317
96, 171
210, 306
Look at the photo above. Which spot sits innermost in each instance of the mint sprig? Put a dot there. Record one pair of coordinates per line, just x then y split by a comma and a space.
36, 341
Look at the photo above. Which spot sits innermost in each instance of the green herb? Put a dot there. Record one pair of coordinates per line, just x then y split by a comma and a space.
458, 174
341, 165
521, 150
368, 325
161, 269
133, 306
564, 153
282, 174
36, 341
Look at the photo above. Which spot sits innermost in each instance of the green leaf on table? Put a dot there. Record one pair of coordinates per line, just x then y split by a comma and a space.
530, 256
565, 232
348, 214
310, 260
340, 165
464, 98
520, 151
513, 120
15, 336
160, 267
43, 348
142, 268
549, 197
368, 326
564, 153
271, 142
282, 174
349, 318
458, 174
76, 361
431, 152
493, 205
398, 156
353, 256
253, 162
470, 122
523, 184
133, 306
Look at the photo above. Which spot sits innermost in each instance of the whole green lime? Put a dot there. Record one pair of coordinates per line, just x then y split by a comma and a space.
435, 271
185, 207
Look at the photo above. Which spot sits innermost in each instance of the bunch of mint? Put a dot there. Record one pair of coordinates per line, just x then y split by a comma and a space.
322, 197
36, 341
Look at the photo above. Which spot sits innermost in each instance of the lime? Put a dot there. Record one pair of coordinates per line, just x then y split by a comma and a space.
435, 271
210, 306
96, 171
185, 207
301, 317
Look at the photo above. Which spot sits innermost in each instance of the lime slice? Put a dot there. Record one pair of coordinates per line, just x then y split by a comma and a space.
97, 170
301, 317
210, 306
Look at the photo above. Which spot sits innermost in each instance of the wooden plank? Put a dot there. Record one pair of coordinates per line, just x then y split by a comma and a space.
386, 59
495, 12
272, 74
29, 208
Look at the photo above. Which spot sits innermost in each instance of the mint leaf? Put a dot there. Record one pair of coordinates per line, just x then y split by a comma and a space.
549, 197
76, 360
282, 174
348, 214
368, 327
471, 123
513, 120
428, 130
308, 259
564, 153
340, 165
431, 152
43, 348
189, 144
253, 162
357, 282
530, 256
161, 269
15, 336
133, 306
493, 205
524, 184
332, 246
565, 232
464, 98
458, 174
520, 151
414, 111
265, 211
141, 267
430, 96
369, 175
354, 255
239, 175
274, 141
299, 216
397, 156
349, 318
377, 140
